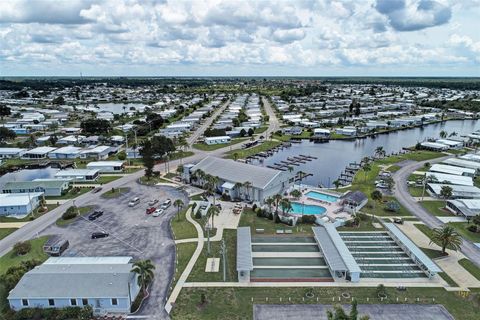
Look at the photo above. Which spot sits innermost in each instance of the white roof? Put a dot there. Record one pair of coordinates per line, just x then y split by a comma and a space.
98, 149
472, 204
434, 145
320, 130
471, 157
105, 164
11, 150
17, 199
76, 172
452, 179
449, 142
40, 150
462, 163
443, 168
67, 149
217, 138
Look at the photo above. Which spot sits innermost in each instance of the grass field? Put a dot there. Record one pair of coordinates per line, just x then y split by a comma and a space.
152, 181
250, 219
71, 194
10, 259
433, 253
82, 212
237, 303
115, 193
461, 228
287, 137
243, 153
184, 253
436, 208
182, 229
470, 267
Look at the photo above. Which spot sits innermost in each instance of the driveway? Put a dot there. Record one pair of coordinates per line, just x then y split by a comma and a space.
403, 196
131, 233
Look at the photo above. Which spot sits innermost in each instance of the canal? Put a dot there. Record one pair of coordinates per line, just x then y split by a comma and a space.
335, 155
28, 175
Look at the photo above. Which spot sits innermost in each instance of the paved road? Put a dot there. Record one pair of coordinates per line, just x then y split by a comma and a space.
273, 122
404, 197
201, 129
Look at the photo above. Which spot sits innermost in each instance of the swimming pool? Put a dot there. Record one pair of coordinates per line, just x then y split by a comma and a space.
321, 196
299, 208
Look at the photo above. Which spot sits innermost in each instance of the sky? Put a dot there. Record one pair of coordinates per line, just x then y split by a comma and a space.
240, 38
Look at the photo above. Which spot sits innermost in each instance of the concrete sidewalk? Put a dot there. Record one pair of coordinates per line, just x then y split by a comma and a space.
8, 225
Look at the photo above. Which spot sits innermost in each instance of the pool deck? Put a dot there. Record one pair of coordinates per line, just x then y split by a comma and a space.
333, 209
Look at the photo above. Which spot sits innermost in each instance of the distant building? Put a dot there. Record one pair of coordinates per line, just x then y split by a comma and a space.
68, 152
107, 284
10, 153
49, 187
38, 153
78, 174
106, 166
217, 140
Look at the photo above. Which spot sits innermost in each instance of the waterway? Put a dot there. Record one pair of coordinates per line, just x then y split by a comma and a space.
335, 155
28, 175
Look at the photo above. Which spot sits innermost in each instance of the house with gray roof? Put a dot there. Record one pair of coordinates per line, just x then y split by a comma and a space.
49, 187
105, 283
232, 175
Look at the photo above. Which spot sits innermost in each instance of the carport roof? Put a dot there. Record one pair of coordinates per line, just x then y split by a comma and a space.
244, 249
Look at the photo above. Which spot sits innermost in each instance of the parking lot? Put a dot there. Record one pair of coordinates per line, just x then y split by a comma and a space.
131, 233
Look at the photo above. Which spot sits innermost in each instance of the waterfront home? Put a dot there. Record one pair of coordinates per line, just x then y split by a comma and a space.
217, 140
107, 284
106, 166
19, 204
451, 143
321, 133
262, 182
38, 153
10, 153
49, 187
292, 130
347, 131
433, 146
443, 178
468, 208
98, 152
459, 171
78, 174
463, 163
353, 201
68, 152
458, 192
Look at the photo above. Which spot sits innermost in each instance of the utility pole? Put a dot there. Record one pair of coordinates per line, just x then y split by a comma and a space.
223, 251
208, 227
424, 184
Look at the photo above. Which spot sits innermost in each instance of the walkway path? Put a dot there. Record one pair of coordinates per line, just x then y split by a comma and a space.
403, 196
183, 278
8, 225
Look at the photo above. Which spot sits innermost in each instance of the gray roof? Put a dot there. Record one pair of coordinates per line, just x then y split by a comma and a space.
34, 184
234, 171
355, 196
335, 251
244, 249
74, 281
414, 250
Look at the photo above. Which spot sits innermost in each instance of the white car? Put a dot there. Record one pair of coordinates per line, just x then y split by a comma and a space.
166, 204
158, 212
152, 202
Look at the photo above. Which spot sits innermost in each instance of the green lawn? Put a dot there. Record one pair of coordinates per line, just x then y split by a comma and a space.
72, 193
436, 208
182, 229
243, 153
287, 137
184, 253
152, 181
262, 129
448, 279
461, 228
470, 267
115, 193
181, 154
433, 253
11, 259
250, 219
198, 272
82, 212
236, 303
426, 230
416, 191
6, 231
365, 225
211, 147
107, 179
378, 209
394, 168
30, 217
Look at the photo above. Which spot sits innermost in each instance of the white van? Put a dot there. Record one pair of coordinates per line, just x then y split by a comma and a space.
134, 202
166, 204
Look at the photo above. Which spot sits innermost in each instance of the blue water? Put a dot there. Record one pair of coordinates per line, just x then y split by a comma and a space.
298, 208
321, 196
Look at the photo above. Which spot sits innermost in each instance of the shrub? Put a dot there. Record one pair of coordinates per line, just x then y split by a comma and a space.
70, 213
270, 216
259, 213
22, 248
254, 207
277, 219
308, 219
225, 197
472, 228
198, 215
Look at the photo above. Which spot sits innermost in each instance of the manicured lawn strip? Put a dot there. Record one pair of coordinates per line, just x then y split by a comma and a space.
262, 129
197, 197
394, 168
433, 253
447, 279
71, 194
170, 175
198, 273
82, 212
416, 191
470, 267
183, 229
30, 217
427, 231
364, 226
117, 192
184, 253
236, 303
6, 231
180, 154
107, 179
211, 147
461, 228
287, 137
436, 208
11, 259
152, 181
243, 153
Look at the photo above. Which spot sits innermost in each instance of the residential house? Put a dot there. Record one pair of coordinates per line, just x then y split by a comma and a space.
19, 204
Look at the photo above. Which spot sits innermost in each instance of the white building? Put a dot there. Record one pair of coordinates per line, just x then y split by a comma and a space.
68, 152
106, 166
217, 140
78, 174
10, 153
19, 204
38, 153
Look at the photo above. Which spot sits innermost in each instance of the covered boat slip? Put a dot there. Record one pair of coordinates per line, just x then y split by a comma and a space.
339, 259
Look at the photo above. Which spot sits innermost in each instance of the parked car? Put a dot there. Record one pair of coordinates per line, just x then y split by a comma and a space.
152, 202
134, 202
95, 215
97, 190
97, 235
398, 220
166, 204
150, 210
158, 212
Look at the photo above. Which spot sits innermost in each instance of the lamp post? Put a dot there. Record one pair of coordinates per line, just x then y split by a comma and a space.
208, 228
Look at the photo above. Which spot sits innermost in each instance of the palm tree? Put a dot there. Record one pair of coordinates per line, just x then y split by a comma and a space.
301, 175
376, 196
235, 156
336, 183
379, 151
270, 201
144, 270
446, 236
238, 187
212, 212
366, 168
446, 193
443, 134
179, 205
247, 185
277, 198
296, 193
286, 205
